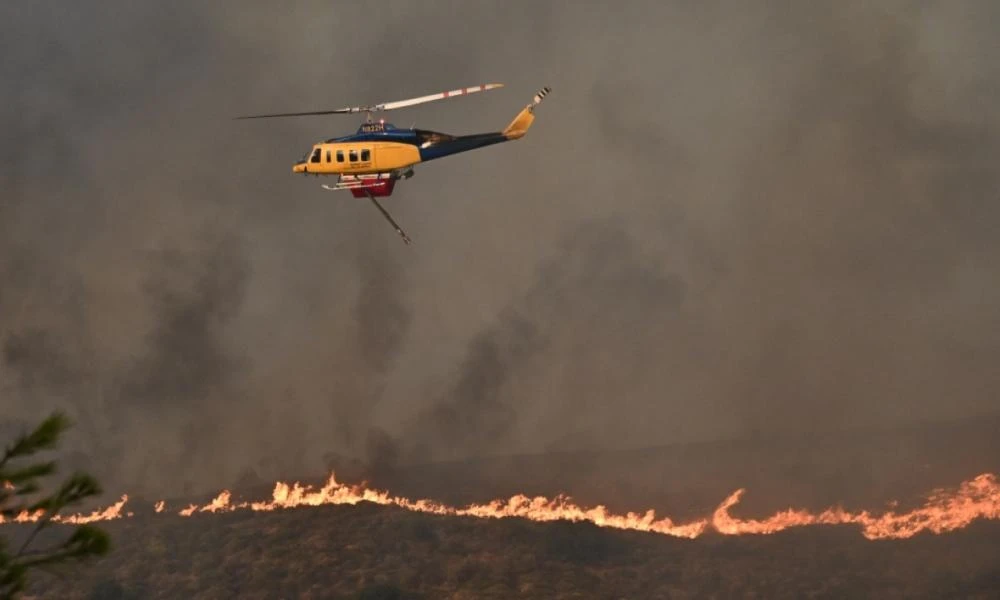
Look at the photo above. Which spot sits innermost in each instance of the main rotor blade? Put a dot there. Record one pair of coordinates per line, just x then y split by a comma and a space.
387, 105
300, 114
438, 96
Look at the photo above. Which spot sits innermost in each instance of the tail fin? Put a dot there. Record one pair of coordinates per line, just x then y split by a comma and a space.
519, 126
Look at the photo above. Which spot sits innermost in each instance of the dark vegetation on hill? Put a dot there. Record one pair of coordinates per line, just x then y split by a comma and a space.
368, 551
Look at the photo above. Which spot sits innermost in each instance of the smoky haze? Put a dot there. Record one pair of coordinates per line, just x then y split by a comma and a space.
726, 220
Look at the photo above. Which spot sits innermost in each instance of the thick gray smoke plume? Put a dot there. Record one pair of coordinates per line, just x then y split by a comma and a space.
726, 220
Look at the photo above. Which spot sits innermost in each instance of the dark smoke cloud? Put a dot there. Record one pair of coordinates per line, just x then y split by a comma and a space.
381, 315
472, 414
728, 219
193, 296
583, 328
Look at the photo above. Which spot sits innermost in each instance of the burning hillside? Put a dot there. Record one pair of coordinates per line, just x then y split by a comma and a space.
944, 510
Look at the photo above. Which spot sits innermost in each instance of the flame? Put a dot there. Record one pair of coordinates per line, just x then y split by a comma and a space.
110, 513
562, 508
945, 510
536, 509
106, 514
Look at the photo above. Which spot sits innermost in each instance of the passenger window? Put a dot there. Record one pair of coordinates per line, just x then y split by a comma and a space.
328, 156
366, 155
340, 156
315, 156
353, 155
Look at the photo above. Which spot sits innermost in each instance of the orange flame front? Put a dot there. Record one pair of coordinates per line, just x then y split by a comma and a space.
945, 510
106, 514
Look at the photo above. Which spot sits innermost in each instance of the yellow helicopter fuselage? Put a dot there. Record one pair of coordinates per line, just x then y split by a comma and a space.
358, 158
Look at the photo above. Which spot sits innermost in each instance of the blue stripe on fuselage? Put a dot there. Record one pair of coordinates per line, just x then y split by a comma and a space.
405, 136
441, 144
460, 144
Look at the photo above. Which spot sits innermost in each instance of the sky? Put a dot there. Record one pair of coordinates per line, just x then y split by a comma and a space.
728, 220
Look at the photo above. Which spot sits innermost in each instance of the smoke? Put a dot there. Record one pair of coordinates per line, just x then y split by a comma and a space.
726, 220
582, 329
472, 414
380, 312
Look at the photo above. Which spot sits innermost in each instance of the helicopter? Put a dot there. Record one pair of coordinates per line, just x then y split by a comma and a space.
371, 160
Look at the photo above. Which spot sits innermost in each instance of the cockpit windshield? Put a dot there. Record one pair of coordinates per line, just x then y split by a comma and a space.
315, 155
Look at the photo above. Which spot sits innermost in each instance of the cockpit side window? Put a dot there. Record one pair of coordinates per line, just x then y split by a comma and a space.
315, 156
328, 156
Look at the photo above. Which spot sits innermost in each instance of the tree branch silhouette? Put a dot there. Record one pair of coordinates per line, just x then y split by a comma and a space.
21, 493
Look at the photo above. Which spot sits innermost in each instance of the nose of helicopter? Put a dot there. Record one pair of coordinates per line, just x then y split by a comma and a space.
299, 167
